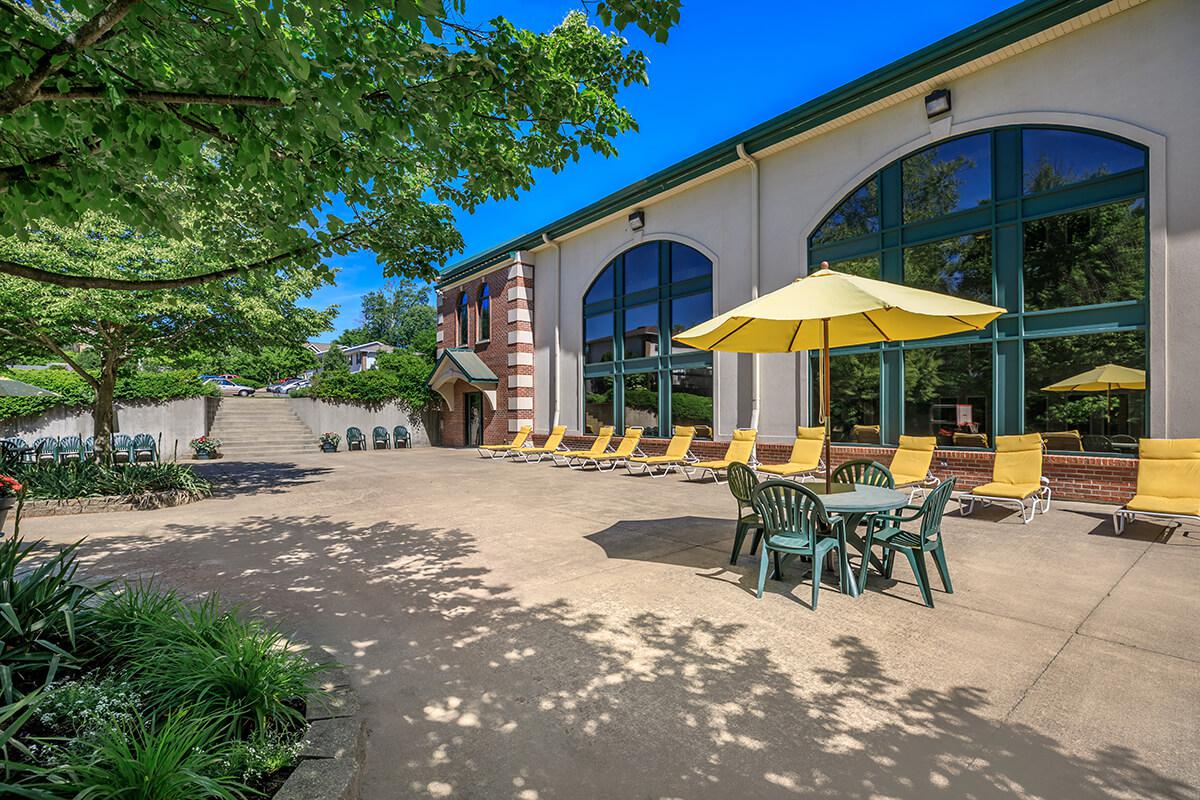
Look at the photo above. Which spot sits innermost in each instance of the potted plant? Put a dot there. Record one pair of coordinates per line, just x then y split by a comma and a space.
329, 442
206, 447
10, 487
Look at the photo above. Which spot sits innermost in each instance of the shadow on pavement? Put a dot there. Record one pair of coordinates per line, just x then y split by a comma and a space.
231, 478
471, 692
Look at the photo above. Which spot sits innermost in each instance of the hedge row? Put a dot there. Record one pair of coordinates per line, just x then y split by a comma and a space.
74, 392
396, 377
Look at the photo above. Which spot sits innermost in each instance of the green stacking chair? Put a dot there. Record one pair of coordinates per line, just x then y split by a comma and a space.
70, 448
742, 480
864, 471
355, 438
144, 445
122, 448
89, 448
795, 522
379, 436
45, 449
886, 532
401, 434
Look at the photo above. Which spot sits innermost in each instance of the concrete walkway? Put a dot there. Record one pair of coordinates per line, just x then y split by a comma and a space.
526, 631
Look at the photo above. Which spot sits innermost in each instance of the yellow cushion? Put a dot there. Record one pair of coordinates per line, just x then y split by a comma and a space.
786, 469
678, 447
1187, 506
655, 459
1015, 491
742, 446
517, 441
902, 479
1169, 468
806, 452
713, 464
913, 457
1018, 460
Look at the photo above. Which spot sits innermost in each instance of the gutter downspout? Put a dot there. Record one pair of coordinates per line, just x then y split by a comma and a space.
555, 370
752, 162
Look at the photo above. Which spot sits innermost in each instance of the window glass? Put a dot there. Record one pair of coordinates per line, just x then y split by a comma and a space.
598, 410
692, 399
857, 215
602, 288
949, 177
641, 402
853, 397
485, 313
462, 319
866, 267
1053, 158
641, 268
960, 266
1075, 419
687, 262
1093, 256
687, 312
598, 338
641, 331
948, 394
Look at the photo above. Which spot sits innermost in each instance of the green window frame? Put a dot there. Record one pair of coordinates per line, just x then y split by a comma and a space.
669, 356
884, 237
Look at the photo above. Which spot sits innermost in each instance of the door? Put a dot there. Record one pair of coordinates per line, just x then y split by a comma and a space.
474, 419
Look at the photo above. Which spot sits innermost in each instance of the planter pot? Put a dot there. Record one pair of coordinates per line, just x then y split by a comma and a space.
6, 503
205, 456
329, 448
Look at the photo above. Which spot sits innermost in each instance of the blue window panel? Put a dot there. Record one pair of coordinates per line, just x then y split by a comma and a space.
948, 177
688, 263
641, 268
1053, 158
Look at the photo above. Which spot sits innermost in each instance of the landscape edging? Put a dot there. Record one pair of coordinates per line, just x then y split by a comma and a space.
335, 746
108, 503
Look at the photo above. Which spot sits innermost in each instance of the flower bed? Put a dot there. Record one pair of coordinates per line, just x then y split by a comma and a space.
133, 691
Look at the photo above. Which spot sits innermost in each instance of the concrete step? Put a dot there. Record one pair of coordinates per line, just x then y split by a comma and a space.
278, 431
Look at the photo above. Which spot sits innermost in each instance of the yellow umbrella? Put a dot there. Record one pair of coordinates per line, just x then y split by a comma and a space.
833, 309
1104, 378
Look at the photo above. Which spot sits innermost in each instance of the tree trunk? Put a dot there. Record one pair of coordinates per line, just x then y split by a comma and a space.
103, 415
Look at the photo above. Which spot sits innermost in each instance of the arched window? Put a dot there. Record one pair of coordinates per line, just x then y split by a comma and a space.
634, 374
463, 324
1049, 223
485, 314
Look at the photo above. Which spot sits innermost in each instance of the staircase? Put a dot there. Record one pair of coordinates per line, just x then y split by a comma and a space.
261, 429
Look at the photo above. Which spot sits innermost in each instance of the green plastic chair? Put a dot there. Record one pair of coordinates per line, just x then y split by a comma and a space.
795, 522
886, 532
70, 448
45, 449
122, 448
742, 481
10, 451
355, 437
864, 471
379, 435
89, 448
401, 434
144, 444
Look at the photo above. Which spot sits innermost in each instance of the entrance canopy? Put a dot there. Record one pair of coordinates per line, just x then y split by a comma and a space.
457, 364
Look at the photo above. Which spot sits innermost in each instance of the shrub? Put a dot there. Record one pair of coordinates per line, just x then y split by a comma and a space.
69, 480
74, 391
396, 377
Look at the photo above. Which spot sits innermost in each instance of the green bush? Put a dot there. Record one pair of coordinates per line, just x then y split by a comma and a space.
75, 392
72, 479
396, 377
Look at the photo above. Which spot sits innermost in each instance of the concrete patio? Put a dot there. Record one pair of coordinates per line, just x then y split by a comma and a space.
532, 632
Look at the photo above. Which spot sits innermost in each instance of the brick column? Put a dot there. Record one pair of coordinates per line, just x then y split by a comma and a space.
518, 294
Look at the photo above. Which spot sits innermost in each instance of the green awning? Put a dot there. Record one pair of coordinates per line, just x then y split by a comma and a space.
458, 364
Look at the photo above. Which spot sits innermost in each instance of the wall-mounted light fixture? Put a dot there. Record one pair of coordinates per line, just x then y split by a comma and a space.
937, 103
637, 220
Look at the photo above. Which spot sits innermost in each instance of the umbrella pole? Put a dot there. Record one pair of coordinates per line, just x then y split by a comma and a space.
825, 401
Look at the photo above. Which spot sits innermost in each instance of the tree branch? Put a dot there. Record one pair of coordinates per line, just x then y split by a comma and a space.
58, 351
22, 91
169, 98
121, 284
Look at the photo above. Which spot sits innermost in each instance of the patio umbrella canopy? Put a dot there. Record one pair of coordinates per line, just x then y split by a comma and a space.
834, 309
10, 387
1104, 378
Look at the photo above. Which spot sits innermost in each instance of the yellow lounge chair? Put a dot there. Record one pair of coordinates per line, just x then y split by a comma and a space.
805, 457
1016, 477
552, 445
505, 450
627, 448
910, 464
741, 449
599, 447
1168, 483
679, 454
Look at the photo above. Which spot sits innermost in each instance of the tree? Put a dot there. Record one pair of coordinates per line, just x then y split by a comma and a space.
258, 366
400, 315
334, 362
248, 311
398, 109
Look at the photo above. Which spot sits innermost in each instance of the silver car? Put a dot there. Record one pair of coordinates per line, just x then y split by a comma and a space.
229, 387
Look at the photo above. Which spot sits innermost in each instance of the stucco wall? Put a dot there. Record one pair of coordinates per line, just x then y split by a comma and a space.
321, 416
1132, 74
174, 423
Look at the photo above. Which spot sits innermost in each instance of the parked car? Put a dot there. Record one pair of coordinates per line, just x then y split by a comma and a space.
287, 386
229, 387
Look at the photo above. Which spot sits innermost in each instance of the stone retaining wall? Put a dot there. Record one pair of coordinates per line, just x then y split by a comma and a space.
335, 748
92, 505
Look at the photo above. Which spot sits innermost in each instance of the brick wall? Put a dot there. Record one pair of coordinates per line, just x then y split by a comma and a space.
508, 352
1096, 479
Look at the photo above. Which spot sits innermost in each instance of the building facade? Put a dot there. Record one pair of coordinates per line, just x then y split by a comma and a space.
1059, 184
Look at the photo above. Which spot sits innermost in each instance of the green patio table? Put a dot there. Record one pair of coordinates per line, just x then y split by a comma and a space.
853, 502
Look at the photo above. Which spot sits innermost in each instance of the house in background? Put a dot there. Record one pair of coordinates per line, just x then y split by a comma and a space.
359, 357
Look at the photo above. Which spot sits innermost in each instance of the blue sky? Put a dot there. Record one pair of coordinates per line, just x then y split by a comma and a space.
725, 68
